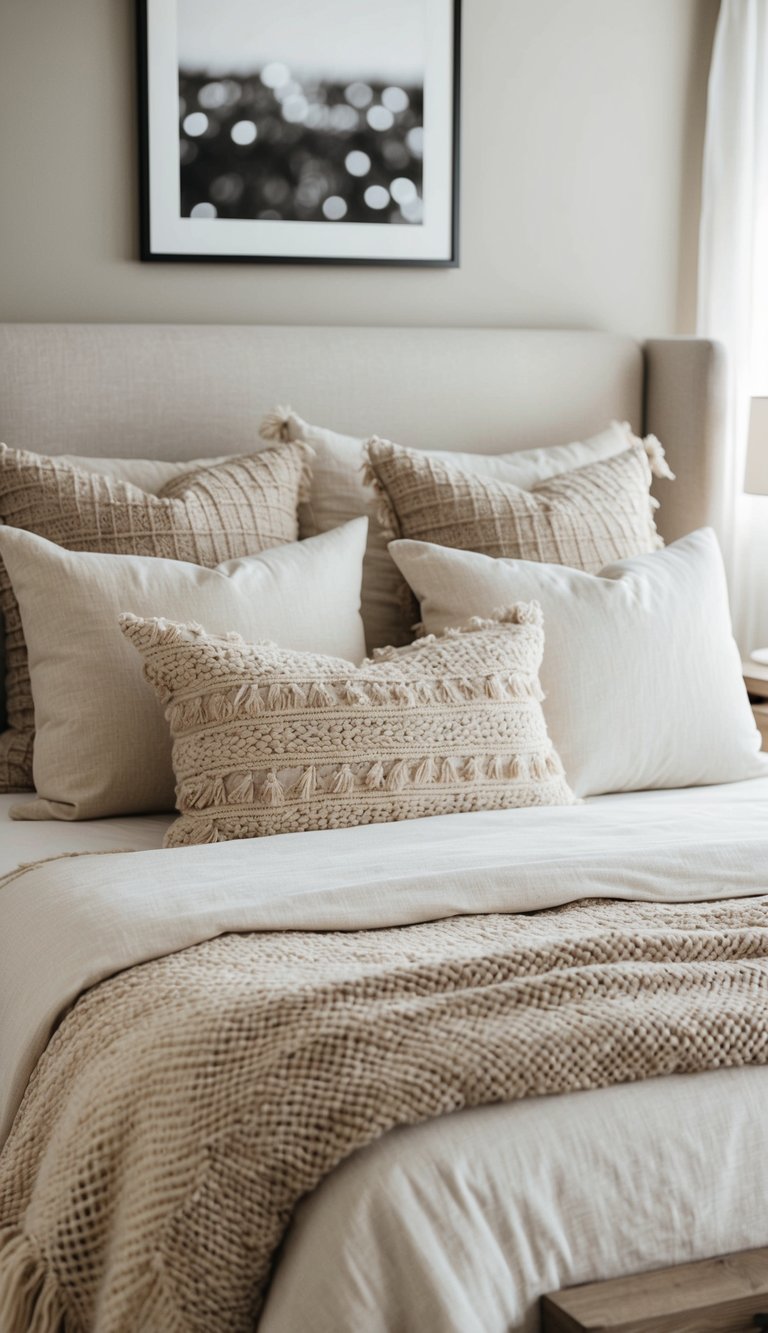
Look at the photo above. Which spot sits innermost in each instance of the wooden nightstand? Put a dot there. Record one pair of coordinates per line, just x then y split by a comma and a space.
756, 681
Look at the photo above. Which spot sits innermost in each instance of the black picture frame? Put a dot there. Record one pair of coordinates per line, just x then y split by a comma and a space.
152, 252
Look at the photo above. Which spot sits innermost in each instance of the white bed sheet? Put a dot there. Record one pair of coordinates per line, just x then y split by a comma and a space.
458, 1225
461, 1224
22, 842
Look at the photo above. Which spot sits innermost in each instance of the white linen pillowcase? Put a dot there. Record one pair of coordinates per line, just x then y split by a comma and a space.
149, 474
641, 673
338, 493
103, 746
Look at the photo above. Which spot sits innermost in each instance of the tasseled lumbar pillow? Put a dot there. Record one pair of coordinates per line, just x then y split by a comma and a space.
272, 741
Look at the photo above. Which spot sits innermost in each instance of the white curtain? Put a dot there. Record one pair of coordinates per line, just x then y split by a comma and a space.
733, 284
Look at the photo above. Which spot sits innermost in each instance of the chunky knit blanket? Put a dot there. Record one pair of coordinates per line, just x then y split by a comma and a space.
185, 1106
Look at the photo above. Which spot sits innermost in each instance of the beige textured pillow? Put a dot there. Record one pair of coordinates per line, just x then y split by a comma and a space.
585, 519
270, 741
102, 745
207, 515
338, 493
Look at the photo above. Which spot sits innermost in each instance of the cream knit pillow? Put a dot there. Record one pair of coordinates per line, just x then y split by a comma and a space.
272, 741
338, 493
205, 516
586, 518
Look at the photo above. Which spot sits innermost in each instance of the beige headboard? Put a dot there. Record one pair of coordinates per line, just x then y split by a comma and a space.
187, 391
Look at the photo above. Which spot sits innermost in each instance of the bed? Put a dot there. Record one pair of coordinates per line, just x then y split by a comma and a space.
462, 1222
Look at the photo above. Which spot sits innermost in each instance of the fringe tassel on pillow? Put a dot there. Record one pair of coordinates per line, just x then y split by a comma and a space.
204, 792
248, 698
374, 778
276, 425
378, 693
343, 782
655, 453
385, 513
320, 696
284, 696
305, 786
350, 693
219, 708
398, 776
243, 791
271, 791
424, 775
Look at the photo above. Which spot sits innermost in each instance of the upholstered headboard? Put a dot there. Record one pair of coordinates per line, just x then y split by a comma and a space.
188, 391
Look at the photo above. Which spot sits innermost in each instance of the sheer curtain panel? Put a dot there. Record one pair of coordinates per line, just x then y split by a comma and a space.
733, 285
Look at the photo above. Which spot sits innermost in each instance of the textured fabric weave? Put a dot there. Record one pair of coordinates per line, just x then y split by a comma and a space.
338, 492
271, 741
183, 1108
240, 507
586, 518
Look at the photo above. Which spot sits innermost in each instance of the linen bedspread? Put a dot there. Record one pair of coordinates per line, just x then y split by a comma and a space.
184, 1107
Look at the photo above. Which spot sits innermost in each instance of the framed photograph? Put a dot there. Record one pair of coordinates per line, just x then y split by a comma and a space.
299, 131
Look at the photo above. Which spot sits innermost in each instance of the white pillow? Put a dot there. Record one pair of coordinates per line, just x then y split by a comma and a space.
151, 475
103, 746
641, 673
339, 492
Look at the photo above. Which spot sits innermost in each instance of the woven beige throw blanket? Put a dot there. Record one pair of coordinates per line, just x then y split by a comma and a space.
185, 1106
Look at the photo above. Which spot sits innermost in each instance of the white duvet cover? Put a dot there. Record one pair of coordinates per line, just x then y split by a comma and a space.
461, 1223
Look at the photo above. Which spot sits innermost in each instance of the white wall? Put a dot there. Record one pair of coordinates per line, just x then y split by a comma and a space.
582, 134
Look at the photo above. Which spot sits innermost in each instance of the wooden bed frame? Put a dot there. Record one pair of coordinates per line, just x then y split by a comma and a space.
725, 1295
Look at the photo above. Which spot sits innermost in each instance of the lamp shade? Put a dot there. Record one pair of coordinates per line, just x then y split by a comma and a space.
756, 478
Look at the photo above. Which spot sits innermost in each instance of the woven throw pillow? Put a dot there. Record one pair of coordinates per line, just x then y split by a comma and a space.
205, 516
641, 674
270, 741
338, 493
585, 518
102, 746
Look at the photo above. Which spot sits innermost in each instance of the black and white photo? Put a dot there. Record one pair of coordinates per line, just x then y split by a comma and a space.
292, 130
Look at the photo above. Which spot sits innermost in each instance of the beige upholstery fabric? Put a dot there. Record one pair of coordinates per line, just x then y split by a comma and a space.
183, 391
102, 744
269, 741
189, 391
586, 518
209, 515
338, 493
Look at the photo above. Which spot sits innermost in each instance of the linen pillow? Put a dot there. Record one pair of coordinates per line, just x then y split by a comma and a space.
338, 492
102, 746
271, 741
585, 518
641, 674
206, 515
149, 474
